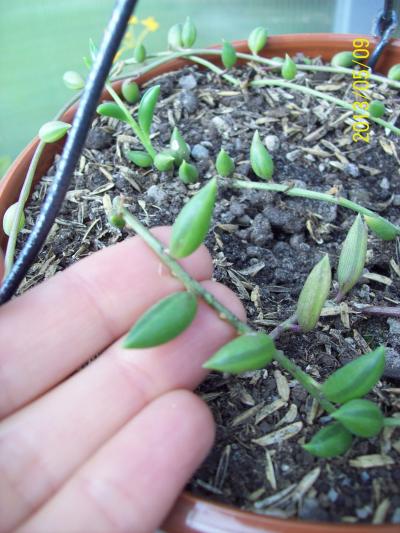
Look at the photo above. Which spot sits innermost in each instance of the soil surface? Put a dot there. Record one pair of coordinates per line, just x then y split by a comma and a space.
264, 245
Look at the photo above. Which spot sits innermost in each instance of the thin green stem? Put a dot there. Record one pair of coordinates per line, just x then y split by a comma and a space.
143, 138
242, 328
303, 193
322, 96
214, 68
284, 326
23, 198
391, 422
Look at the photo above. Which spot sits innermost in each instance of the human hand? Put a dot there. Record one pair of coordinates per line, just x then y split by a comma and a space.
110, 447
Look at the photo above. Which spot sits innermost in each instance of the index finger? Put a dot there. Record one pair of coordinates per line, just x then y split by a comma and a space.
54, 328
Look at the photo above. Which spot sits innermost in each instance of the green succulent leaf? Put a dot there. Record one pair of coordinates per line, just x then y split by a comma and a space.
189, 33
73, 80
352, 256
228, 55
117, 220
179, 147
224, 164
175, 37
394, 73
355, 379
314, 294
140, 53
342, 59
361, 417
130, 91
53, 131
288, 69
257, 39
163, 321
188, 173
193, 222
381, 227
260, 159
330, 441
146, 108
247, 352
141, 159
164, 162
112, 110
8, 219
376, 109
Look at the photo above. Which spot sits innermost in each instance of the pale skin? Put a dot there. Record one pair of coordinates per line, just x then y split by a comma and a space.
108, 448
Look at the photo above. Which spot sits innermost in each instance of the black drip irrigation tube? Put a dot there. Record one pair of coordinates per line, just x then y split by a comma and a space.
76, 138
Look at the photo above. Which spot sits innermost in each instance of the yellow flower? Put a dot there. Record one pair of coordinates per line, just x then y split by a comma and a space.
133, 20
150, 23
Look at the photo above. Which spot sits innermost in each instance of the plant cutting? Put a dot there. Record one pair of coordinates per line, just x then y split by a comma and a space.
259, 345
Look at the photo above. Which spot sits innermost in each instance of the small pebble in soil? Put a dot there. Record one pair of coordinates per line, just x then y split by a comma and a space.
98, 139
189, 101
188, 82
200, 152
261, 231
272, 143
352, 170
156, 194
384, 184
311, 509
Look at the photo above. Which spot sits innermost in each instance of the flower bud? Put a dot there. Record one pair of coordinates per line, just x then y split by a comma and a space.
189, 33
175, 37
130, 91
188, 173
228, 55
314, 294
224, 164
342, 59
257, 39
179, 146
260, 159
8, 219
139, 53
53, 131
288, 69
73, 80
352, 256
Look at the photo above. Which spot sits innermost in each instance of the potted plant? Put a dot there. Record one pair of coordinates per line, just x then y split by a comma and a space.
245, 158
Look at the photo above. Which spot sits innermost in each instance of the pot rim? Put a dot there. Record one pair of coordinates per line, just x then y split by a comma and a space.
186, 516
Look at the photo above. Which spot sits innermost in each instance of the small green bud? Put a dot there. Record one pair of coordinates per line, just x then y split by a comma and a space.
376, 109
394, 73
330, 441
288, 69
117, 220
260, 159
112, 110
179, 146
342, 59
140, 53
352, 256
189, 33
163, 321
130, 91
146, 108
361, 417
381, 227
8, 219
73, 80
224, 164
140, 158
355, 379
247, 352
53, 131
163, 162
188, 173
228, 55
175, 37
191, 225
314, 294
257, 39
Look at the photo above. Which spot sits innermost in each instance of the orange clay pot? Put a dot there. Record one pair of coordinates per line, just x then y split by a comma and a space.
191, 514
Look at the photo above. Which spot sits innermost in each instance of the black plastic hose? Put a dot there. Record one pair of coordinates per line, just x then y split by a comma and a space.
77, 135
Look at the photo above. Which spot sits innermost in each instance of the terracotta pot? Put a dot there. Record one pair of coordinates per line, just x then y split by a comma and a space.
190, 514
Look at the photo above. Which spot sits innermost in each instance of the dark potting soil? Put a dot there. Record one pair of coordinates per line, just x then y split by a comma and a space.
264, 245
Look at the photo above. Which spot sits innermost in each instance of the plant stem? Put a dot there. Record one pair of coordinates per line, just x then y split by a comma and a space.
214, 68
380, 311
194, 286
144, 139
303, 193
391, 422
322, 96
23, 198
287, 325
